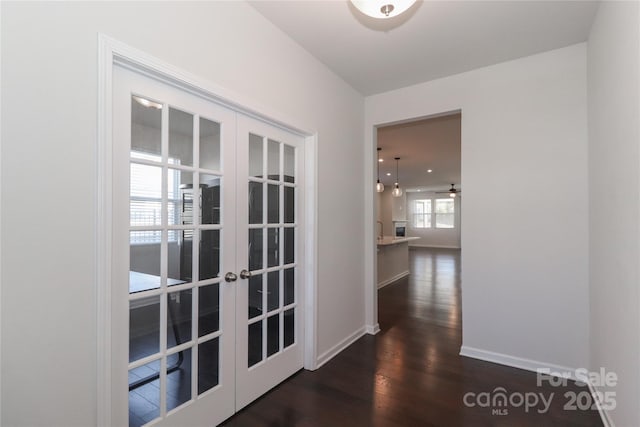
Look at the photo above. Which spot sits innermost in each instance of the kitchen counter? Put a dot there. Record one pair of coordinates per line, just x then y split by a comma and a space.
393, 259
390, 240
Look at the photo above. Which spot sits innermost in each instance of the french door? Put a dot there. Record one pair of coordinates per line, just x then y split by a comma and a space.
207, 281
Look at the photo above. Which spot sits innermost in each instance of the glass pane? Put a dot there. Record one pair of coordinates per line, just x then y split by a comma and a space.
444, 220
144, 327
255, 343
179, 257
255, 249
209, 309
210, 205
289, 205
255, 156
144, 260
255, 296
178, 317
289, 286
289, 163
273, 334
180, 137
289, 327
179, 197
273, 204
444, 205
289, 245
146, 119
273, 248
274, 160
144, 399
145, 191
255, 203
209, 254
178, 379
209, 144
208, 365
273, 290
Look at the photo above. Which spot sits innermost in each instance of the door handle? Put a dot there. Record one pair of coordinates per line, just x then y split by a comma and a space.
244, 274
230, 277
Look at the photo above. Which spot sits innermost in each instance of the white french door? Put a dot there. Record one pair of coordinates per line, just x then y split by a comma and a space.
206, 266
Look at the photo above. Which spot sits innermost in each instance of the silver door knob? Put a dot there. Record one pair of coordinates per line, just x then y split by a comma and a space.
230, 277
244, 274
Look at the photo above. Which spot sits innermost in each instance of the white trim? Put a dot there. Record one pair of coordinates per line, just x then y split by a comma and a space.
434, 246
110, 52
372, 330
336, 349
311, 252
604, 415
393, 279
515, 361
103, 230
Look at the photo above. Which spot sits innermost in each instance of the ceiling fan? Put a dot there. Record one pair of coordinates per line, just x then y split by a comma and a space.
452, 192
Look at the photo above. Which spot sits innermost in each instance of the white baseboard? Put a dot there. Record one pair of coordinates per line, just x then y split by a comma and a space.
515, 362
372, 329
604, 415
393, 279
333, 351
433, 246
533, 365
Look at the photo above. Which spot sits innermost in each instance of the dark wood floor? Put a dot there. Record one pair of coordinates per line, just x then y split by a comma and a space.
410, 374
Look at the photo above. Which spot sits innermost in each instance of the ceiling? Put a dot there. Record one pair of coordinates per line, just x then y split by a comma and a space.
432, 39
422, 145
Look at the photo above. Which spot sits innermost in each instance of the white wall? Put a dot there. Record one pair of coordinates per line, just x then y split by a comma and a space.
49, 97
434, 237
614, 191
524, 246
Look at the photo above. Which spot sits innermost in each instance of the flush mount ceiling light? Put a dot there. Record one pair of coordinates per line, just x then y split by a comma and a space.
379, 185
382, 9
397, 191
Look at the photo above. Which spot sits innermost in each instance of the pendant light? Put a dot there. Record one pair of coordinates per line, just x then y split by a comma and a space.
397, 191
379, 185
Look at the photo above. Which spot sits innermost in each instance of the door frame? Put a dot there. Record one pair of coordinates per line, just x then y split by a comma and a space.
110, 53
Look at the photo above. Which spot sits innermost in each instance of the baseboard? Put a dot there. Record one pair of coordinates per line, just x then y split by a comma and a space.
372, 329
393, 279
604, 415
434, 246
516, 362
333, 351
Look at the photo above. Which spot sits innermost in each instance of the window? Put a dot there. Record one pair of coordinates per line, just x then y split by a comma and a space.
422, 213
444, 213
146, 198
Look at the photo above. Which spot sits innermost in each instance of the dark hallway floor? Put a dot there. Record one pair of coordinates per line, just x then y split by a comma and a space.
410, 374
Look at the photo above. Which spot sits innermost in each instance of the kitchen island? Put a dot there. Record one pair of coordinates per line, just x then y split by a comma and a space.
393, 259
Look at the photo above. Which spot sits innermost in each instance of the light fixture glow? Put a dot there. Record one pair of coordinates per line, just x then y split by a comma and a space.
147, 103
382, 9
397, 191
381, 160
388, 173
452, 195
429, 170
379, 185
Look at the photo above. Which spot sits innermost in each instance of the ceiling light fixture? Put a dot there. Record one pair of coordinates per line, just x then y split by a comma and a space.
397, 191
379, 185
429, 170
382, 9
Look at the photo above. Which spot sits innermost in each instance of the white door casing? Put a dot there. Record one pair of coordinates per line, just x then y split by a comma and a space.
111, 260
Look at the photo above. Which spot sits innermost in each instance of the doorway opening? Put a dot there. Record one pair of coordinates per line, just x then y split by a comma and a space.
418, 211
